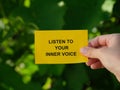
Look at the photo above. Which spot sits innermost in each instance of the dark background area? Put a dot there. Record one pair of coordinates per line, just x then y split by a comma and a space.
18, 21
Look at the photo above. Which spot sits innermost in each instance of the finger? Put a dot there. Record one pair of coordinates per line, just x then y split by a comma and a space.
91, 61
100, 41
96, 65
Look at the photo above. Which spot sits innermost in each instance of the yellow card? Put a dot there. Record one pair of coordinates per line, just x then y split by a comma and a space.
60, 46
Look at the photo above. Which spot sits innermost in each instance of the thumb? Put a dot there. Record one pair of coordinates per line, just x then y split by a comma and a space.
90, 52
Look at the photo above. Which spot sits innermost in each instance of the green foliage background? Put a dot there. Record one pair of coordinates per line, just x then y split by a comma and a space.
19, 19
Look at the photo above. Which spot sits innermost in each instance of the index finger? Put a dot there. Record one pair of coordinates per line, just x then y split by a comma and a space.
100, 41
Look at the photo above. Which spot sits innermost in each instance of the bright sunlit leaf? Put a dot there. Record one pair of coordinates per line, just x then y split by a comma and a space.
27, 3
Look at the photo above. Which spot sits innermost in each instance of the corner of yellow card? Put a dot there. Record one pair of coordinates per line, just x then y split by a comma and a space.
60, 46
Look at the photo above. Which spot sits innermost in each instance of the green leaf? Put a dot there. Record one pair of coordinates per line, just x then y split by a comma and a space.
45, 13
11, 79
83, 14
116, 9
76, 77
54, 70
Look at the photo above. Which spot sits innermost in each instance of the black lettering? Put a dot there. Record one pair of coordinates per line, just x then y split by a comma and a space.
52, 53
56, 41
70, 41
61, 47
69, 53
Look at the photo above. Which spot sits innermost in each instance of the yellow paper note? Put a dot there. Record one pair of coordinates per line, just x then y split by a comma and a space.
60, 46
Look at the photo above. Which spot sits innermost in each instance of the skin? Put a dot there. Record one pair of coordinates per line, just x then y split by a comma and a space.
104, 52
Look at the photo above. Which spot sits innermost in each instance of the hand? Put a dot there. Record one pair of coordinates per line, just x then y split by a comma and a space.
104, 51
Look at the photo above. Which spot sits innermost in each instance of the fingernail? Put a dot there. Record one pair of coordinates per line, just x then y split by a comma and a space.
83, 50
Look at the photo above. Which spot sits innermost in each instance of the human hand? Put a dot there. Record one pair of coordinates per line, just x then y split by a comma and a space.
104, 51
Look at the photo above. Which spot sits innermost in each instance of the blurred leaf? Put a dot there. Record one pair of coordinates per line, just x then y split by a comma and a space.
7, 6
116, 9
54, 70
83, 14
104, 78
10, 78
27, 3
45, 13
76, 77
43, 69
